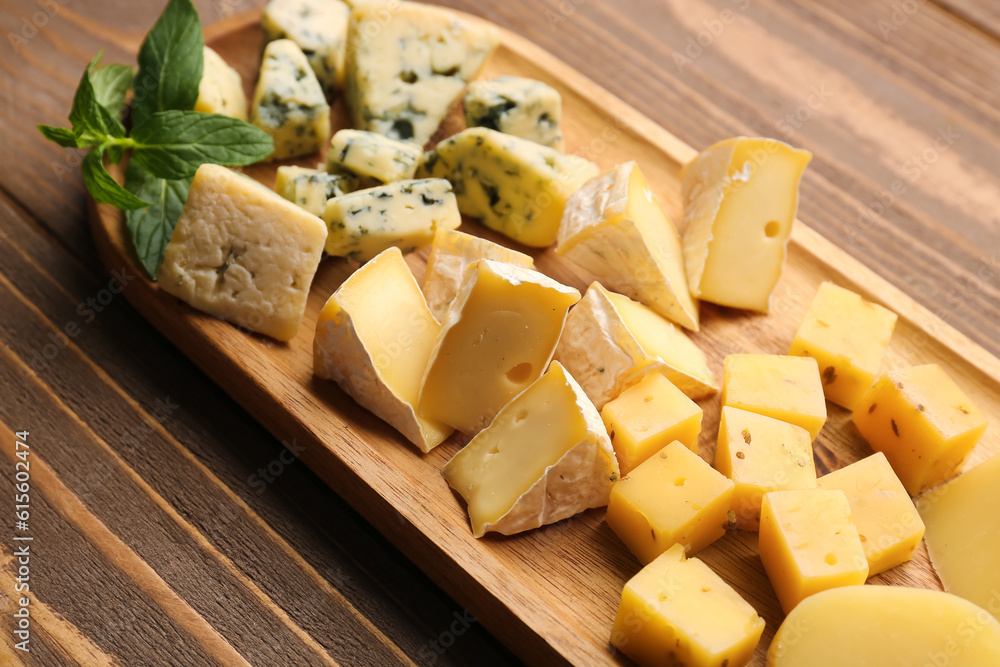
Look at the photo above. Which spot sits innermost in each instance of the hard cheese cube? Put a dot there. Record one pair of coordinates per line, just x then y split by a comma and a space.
676, 611
761, 454
740, 198
808, 544
611, 342
615, 228
242, 253
496, 340
372, 156
319, 27
544, 458
673, 497
785, 388
888, 524
515, 105
648, 416
221, 88
848, 336
311, 188
923, 423
451, 253
404, 214
374, 337
516, 186
288, 102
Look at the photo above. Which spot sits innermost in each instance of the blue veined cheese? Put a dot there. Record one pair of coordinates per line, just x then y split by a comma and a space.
373, 157
288, 103
515, 105
221, 88
311, 188
405, 214
517, 187
319, 27
407, 64
242, 253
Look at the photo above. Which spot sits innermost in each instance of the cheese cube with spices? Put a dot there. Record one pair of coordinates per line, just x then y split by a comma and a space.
311, 188
373, 158
515, 105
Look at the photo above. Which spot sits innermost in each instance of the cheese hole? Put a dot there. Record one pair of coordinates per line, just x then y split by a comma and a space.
520, 416
831, 559
772, 228
520, 373
679, 481
408, 76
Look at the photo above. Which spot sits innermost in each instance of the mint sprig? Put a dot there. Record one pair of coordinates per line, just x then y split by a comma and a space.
171, 60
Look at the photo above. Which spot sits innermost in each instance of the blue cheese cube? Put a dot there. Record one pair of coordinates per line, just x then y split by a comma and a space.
374, 158
221, 88
312, 188
514, 105
288, 103
319, 27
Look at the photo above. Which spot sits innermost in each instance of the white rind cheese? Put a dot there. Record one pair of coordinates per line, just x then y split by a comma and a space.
319, 27
515, 105
311, 188
373, 156
221, 88
242, 253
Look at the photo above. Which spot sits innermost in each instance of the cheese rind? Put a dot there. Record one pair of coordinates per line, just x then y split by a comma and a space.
544, 458
616, 229
516, 105
373, 156
515, 186
404, 214
782, 387
319, 27
242, 253
221, 88
311, 188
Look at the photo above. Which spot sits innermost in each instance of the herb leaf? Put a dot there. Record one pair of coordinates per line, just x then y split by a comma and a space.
171, 60
63, 136
173, 144
110, 83
102, 187
151, 227
92, 122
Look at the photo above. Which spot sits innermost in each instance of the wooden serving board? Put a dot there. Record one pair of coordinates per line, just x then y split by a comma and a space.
550, 594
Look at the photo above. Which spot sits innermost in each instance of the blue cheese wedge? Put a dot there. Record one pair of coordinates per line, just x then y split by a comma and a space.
242, 253
221, 88
517, 187
311, 188
407, 65
404, 214
515, 105
288, 103
372, 157
319, 27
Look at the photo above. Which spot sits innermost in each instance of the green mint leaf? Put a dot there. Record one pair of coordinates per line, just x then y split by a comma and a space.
92, 122
110, 83
152, 226
173, 144
170, 63
63, 136
102, 187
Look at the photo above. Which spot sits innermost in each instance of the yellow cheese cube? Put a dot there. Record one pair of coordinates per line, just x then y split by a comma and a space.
808, 544
649, 416
761, 454
848, 336
740, 198
888, 524
923, 423
221, 88
673, 497
785, 388
677, 611
886, 626
963, 534
496, 339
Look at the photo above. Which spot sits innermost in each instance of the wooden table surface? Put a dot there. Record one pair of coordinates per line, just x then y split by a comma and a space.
169, 528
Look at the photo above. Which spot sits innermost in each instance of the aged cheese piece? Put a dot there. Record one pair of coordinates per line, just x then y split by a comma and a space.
848, 336
404, 214
648, 416
373, 156
615, 228
407, 64
374, 337
319, 27
923, 423
517, 187
808, 544
785, 388
611, 342
963, 534
677, 611
311, 188
242, 253
221, 88
740, 198
495, 340
544, 458
515, 105
888, 524
288, 102
451, 252
761, 454
885, 626
673, 497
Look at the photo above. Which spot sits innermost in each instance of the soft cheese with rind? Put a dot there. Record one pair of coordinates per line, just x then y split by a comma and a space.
319, 27
221, 88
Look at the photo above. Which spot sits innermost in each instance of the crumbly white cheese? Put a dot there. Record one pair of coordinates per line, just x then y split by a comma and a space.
515, 105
